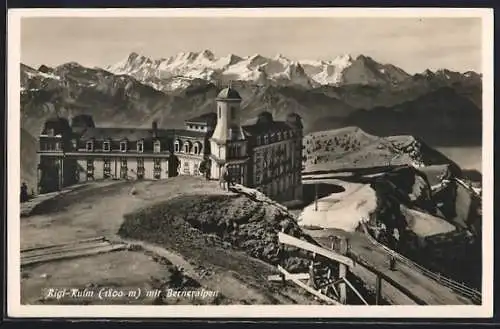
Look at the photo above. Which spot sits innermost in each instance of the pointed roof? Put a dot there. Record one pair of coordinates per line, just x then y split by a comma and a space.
228, 94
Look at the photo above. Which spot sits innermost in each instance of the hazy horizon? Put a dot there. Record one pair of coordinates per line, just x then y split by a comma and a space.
413, 44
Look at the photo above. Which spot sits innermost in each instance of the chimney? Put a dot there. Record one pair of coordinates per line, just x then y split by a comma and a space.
154, 126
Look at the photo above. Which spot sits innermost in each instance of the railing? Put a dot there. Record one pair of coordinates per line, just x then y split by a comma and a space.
469, 188
473, 294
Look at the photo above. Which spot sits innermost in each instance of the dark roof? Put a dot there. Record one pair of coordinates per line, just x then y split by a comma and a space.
132, 134
228, 93
208, 118
260, 129
58, 124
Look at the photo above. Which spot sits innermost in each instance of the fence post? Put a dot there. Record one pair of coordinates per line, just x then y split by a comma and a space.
378, 290
343, 273
316, 197
312, 282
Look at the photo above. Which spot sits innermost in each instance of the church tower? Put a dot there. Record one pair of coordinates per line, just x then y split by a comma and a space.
228, 144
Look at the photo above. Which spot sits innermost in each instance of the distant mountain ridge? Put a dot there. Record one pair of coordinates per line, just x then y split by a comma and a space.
169, 74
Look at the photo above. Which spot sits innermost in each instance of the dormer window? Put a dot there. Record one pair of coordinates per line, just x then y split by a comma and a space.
266, 139
140, 146
177, 146
50, 132
106, 146
123, 146
89, 146
157, 146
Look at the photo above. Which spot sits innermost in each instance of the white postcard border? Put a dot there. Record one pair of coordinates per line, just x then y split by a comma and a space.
15, 309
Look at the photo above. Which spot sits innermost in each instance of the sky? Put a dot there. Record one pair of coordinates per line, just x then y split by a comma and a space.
413, 44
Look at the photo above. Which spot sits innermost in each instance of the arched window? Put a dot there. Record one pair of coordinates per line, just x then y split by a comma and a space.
177, 146
187, 147
197, 148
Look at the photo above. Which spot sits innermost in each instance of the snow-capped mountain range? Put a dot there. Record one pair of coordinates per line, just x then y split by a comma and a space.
180, 70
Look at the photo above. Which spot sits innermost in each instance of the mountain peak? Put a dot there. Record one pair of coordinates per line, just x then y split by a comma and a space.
207, 54
133, 55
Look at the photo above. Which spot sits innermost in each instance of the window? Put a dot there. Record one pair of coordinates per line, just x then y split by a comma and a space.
258, 140
90, 169
123, 146
107, 168
58, 146
157, 168
220, 112
196, 148
177, 146
140, 168
195, 169
234, 151
90, 146
123, 168
157, 147
140, 146
186, 147
106, 147
266, 139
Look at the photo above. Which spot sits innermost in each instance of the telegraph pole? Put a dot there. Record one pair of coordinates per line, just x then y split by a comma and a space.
316, 197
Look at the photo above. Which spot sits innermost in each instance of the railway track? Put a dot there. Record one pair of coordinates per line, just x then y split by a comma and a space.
75, 249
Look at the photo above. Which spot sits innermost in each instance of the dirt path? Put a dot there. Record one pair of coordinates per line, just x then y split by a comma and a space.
98, 210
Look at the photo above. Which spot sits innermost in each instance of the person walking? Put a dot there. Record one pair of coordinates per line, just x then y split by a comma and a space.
24, 192
224, 177
207, 170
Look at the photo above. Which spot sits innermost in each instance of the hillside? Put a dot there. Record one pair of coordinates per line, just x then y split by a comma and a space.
441, 117
218, 240
351, 147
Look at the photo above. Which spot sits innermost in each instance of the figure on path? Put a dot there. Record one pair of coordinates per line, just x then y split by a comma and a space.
224, 177
24, 192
